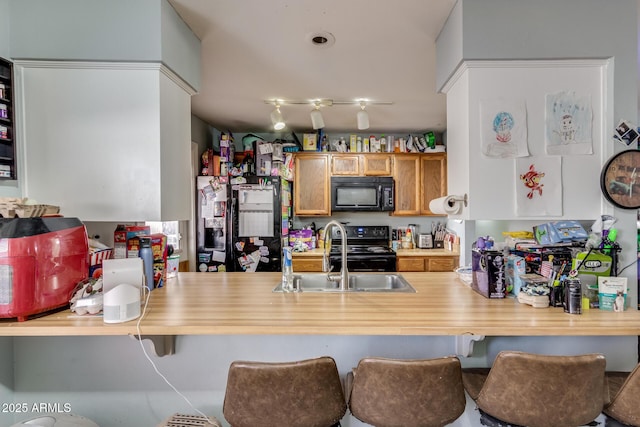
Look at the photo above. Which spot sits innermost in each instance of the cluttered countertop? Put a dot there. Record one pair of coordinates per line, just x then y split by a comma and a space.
237, 303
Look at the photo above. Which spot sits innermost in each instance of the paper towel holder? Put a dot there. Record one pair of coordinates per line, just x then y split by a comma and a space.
456, 202
458, 199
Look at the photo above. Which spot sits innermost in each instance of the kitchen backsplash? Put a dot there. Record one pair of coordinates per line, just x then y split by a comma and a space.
371, 218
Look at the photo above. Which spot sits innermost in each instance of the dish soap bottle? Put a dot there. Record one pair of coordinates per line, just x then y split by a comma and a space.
287, 270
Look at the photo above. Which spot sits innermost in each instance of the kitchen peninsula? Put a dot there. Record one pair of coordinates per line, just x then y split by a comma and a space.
244, 304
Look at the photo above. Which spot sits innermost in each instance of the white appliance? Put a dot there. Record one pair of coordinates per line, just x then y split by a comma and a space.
122, 287
57, 420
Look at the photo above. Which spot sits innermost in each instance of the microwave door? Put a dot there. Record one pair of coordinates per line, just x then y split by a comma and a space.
357, 197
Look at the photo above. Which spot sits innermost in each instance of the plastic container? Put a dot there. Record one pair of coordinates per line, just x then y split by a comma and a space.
173, 263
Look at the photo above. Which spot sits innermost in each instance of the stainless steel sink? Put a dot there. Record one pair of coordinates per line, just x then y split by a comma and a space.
365, 282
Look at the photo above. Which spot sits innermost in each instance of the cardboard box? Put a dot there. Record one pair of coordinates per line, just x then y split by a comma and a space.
310, 142
160, 254
122, 234
612, 293
559, 232
596, 263
305, 236
488, 269
159, 249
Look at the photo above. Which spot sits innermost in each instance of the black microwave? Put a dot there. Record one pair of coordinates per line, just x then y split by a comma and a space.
362, 194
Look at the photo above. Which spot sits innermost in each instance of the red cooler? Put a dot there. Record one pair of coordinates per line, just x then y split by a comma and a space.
41, 262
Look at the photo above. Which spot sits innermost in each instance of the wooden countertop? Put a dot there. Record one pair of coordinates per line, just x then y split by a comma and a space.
243, 303
400, 252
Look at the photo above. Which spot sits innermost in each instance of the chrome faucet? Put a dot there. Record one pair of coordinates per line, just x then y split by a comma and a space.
343, 278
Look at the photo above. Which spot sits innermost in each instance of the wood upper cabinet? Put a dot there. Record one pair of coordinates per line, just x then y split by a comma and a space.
433, 179
311, 185
367, 164
345, 164
418, 180
406, 174
376, 164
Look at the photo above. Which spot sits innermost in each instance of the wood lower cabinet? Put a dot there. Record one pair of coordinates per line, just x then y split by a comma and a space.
307, 264
311, 185
426, 263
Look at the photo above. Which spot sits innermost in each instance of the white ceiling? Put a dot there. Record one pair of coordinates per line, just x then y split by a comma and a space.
257, 50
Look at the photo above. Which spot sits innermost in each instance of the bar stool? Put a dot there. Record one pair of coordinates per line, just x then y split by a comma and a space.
624, 389
302, 393
539, 390
407, 393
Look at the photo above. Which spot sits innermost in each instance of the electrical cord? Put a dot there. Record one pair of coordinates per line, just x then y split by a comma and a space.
155, 368
628, 265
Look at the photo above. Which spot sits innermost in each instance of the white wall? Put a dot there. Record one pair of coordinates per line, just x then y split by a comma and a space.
114, 30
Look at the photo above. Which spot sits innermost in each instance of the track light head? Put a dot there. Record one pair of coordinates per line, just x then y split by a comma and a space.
362, 117
276, 118
316, 117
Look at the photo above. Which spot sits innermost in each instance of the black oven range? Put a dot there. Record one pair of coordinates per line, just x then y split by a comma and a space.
367, 248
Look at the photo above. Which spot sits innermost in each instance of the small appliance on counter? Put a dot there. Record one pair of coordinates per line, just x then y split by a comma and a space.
425, 241
123, 282
42, 259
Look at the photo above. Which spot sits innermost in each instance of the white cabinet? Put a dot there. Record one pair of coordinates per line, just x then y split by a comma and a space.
106, 141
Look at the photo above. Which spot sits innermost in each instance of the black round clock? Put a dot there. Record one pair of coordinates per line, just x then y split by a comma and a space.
620, 179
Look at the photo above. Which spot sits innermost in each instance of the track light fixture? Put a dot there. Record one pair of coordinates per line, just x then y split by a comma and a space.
276, 118
316, 117
362, 117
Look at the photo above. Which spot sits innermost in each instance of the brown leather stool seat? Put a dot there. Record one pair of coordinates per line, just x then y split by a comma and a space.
306, 393
624, 389
407, 393
539, 390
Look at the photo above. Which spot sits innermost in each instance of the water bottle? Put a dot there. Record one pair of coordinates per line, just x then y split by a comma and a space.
147, 260
287, 270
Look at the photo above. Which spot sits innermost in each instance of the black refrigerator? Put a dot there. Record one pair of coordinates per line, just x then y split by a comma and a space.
259, 223
213, 225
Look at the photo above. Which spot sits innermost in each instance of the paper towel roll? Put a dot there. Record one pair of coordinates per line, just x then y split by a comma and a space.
444, 205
